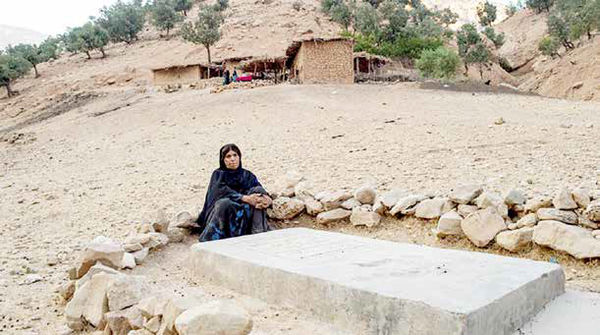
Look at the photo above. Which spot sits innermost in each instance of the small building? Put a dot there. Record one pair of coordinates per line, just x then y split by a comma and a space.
366, 63
321, 61
272, 68
184, 74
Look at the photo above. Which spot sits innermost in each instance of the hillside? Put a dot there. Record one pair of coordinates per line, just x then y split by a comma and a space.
466, 9
15, 35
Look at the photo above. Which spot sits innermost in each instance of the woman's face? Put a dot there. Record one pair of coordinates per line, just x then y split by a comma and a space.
232, 160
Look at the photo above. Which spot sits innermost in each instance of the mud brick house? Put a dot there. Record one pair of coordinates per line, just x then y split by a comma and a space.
184, 74
321, 61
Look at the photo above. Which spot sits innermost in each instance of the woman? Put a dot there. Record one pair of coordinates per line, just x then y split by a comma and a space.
235, 201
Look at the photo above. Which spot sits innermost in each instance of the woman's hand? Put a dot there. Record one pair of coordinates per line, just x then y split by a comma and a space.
252, 199
264, 202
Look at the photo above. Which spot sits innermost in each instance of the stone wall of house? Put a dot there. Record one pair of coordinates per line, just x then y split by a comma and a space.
324, 62
179, 75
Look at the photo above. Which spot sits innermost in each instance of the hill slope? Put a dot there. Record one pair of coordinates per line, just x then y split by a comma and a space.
15, 35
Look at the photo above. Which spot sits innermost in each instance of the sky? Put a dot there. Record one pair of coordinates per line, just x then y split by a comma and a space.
49, 17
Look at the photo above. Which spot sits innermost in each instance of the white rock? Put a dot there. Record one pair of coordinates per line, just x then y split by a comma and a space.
217, 317
449, 224
132, 247
160, 223
464, 194
511, 226
378, 206
122, 322
593, 211
581, 197
405, 203
97, 268
489, 199
576, 241
152, 306
103, 250
430, 208
285, 208
350, 203
596, 233
529, 220
532, 205
365, 194
482, 226
515, 240
288, 192
146, 332
138, 239
153, 324
466, 210
333, 200
333, 215
184, 219
557, 215
67, 289
173, 308
128, 261
89, 303
583, 221
126, 291
515, 197
176, 235
364, 217
140, 255
564, 200
391, 198
313, 207
157, 240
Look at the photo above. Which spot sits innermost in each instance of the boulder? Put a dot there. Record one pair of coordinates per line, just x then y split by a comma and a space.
287, 192
67, 289
365, 194
122, 322
285, 208
173, 308
333, 215
217, 317
332, 200
466, 210
592, 211
464, 194
581, 196
132, 247
364, 216
157, 240
391, 198
378, 206
482, 226
160, 223
103, 250
564, 200
489, 199
97, 268
404, 204
515, 240
430, 208
153, 324
128, 261
313, 207
557, 215
350, 203
126, 291
529, 220
449, 224
533, 205
576, 241
176, 235
140, 255
152, 306
515, 197
184, 219
89, 303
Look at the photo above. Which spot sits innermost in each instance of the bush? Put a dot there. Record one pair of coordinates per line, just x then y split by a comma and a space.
549, 46
497, 39
539, 5
440, 63
123, 21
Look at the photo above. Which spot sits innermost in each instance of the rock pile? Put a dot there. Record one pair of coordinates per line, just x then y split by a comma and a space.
100, 295
568, 222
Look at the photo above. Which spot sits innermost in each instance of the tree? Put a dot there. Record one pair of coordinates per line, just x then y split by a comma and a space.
471, 47
549, 46
123, 21
206, 29
540, 5
341, 14
367, 19
30, 53
164, 15
497, 39
50, 48
11, 68
87, 38
183, 6
487, 13
559, 28
439, 63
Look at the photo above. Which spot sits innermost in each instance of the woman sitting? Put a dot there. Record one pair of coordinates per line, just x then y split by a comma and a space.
235, 201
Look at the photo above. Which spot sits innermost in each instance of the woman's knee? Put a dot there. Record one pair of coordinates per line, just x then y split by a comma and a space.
257, 189
223, 204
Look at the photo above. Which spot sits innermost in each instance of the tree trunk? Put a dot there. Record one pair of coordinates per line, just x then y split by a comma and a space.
103, 53
168, 32
184, 12
88, 55
8, 90
35, 70
208, 51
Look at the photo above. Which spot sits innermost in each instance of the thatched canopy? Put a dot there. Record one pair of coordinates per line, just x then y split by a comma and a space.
264, 64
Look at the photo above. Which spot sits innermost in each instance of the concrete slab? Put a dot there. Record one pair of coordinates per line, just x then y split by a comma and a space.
574, 312
385, 287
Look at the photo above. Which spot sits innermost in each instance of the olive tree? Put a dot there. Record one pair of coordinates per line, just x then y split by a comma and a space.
11, 68
206, 30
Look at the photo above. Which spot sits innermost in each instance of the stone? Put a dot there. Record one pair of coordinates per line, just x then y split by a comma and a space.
557, 214
153, 324
465, 210
449, 224
364, 217
145, 227
515, 197
336, 277
173, 308
379, 207
532, 206
122, 322
285, 208
365, 194
564, 200
512, 226
145, 332
152, 306
391, 198
464, 194
581, 197
288, 192
515, 240
404, 204
142, 239
97, 268
448, 206
350, 203
332, 200
67, 289
176, 235
126, 291
89, 303
430, 208
128, 261
101, 249
313, 207
157, 240
482, 226
141, 255
215, 317
184, 219
334, 215
592, 211
489, 199
576, 241
529, 220
161, 223
132, 247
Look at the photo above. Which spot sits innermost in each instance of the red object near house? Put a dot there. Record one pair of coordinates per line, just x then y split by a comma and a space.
245, 78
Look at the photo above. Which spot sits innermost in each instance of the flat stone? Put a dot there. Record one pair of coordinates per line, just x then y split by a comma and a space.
173, 308
449, 224
482, 226
126, 291
464, 194
466, 210
564, 200
176, 235
532, 206
365, 194
152, 306
489, 199
332, 200
430, 208
128, 261
350, 203
97, 268
122, 322
101, 249
141, 255
337, 214
285, 208
576, 241
153, 324
157, 240
515, 240
528, 220
304, 189
215, 317
132, 247
557, 215
364, 217
405, 203
184, 219
390, 198
515, 197
313, 207
581, 196
89, 303
341, 278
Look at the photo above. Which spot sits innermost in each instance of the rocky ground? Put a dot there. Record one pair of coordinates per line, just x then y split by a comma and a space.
98, 170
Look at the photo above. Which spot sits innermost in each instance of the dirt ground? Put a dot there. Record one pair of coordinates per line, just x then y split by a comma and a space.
97, 169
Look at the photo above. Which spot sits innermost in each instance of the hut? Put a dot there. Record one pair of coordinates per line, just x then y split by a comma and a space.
366, 63
320, 61
265, 68
184, 74
233, 63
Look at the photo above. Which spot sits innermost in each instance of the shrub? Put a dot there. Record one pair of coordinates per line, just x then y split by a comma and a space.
549, 46
440, 63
